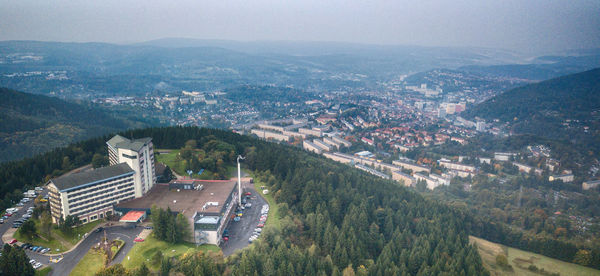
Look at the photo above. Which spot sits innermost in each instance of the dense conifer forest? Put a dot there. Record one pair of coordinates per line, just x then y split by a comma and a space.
335, 219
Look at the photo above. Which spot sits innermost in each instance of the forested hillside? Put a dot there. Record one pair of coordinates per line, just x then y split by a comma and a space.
566, 108
568, 97
334, 219
31, 124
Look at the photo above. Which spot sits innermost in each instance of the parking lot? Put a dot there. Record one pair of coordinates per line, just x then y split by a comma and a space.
241, 231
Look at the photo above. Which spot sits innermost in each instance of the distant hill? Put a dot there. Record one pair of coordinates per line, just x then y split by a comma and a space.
31, 124
542, 68
100, 69
558, 108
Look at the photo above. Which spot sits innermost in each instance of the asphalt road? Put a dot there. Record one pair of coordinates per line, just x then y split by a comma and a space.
71, 259
240, 232
22, 210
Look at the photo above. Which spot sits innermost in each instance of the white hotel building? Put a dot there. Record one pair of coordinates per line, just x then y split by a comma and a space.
139, 155
92, 194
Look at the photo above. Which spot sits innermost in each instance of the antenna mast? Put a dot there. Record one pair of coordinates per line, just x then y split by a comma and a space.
239, 180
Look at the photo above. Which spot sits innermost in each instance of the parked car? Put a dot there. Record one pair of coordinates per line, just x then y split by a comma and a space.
261, 225
99, 229
13, 241
148, 227
138, 239
248, 193
32, 261
37, 265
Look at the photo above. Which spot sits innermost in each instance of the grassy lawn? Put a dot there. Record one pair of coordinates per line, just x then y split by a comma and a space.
178, 166
143, 251
38, 241
76, 233
43, 272
520, 260
273, 218
170, 159
89, 264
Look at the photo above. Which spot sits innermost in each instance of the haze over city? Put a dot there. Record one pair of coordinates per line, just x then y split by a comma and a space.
300, 137
535, 27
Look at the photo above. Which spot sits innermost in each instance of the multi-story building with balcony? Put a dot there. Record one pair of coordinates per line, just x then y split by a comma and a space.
90, 195
139, 155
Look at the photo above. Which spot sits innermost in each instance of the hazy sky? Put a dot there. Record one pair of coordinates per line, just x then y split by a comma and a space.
528, 25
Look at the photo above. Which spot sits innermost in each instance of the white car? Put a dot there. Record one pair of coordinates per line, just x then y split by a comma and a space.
32, 261
37, 265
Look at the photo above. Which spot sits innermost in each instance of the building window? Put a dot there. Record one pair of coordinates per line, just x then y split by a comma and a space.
84, 220
94, 217
129, 156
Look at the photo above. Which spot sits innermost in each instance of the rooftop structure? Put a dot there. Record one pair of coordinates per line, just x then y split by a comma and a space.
207, 205
91, 177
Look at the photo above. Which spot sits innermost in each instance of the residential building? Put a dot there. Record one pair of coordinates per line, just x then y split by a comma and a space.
270, 135
313, 132
324, 146
372, 171
564, 177
431, 183
309, 146
410, 165
526, 169
456, 166
341, 141
590, 184
408, 180
331, 142
503, 156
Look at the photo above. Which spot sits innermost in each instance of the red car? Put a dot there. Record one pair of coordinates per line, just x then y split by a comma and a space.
138, 239
225, 238
248, 193
8, 214
260, 225
13, 241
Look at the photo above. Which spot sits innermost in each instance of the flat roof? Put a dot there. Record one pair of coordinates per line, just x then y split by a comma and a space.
132, 216
186, 202
119, 141
208, 220
71, 181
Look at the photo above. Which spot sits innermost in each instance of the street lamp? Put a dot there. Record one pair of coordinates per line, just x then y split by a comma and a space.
239, 180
